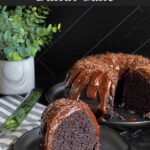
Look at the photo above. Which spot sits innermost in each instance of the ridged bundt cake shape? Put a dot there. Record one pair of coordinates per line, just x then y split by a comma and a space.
69, 125
95, 79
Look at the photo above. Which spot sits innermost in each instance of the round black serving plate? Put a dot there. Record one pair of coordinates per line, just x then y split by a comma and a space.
57, 91
109, 140
123, 125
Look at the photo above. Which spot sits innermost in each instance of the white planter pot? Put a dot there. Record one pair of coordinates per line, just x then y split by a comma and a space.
17, 77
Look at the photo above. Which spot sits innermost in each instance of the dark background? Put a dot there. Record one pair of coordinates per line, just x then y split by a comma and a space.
89, 30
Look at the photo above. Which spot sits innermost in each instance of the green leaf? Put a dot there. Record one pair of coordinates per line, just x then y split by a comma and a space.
15, 57
54, 29
59, 26
34, 8
49, 27
4, 8
7, 37
11, 54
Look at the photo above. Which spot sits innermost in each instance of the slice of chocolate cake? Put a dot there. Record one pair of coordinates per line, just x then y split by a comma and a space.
69, 125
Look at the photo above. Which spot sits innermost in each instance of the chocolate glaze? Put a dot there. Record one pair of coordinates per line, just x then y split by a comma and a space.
100, 73
56, 113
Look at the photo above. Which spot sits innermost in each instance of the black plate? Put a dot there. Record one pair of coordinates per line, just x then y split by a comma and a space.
109, 140
57, 92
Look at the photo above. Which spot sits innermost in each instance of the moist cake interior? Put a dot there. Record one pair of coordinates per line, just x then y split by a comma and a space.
76, 132
133, 93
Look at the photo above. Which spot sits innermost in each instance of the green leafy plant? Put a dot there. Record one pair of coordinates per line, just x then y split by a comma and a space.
23, 31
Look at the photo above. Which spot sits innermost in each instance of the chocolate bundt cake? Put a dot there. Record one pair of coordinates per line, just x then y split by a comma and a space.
69, 125
107, 80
